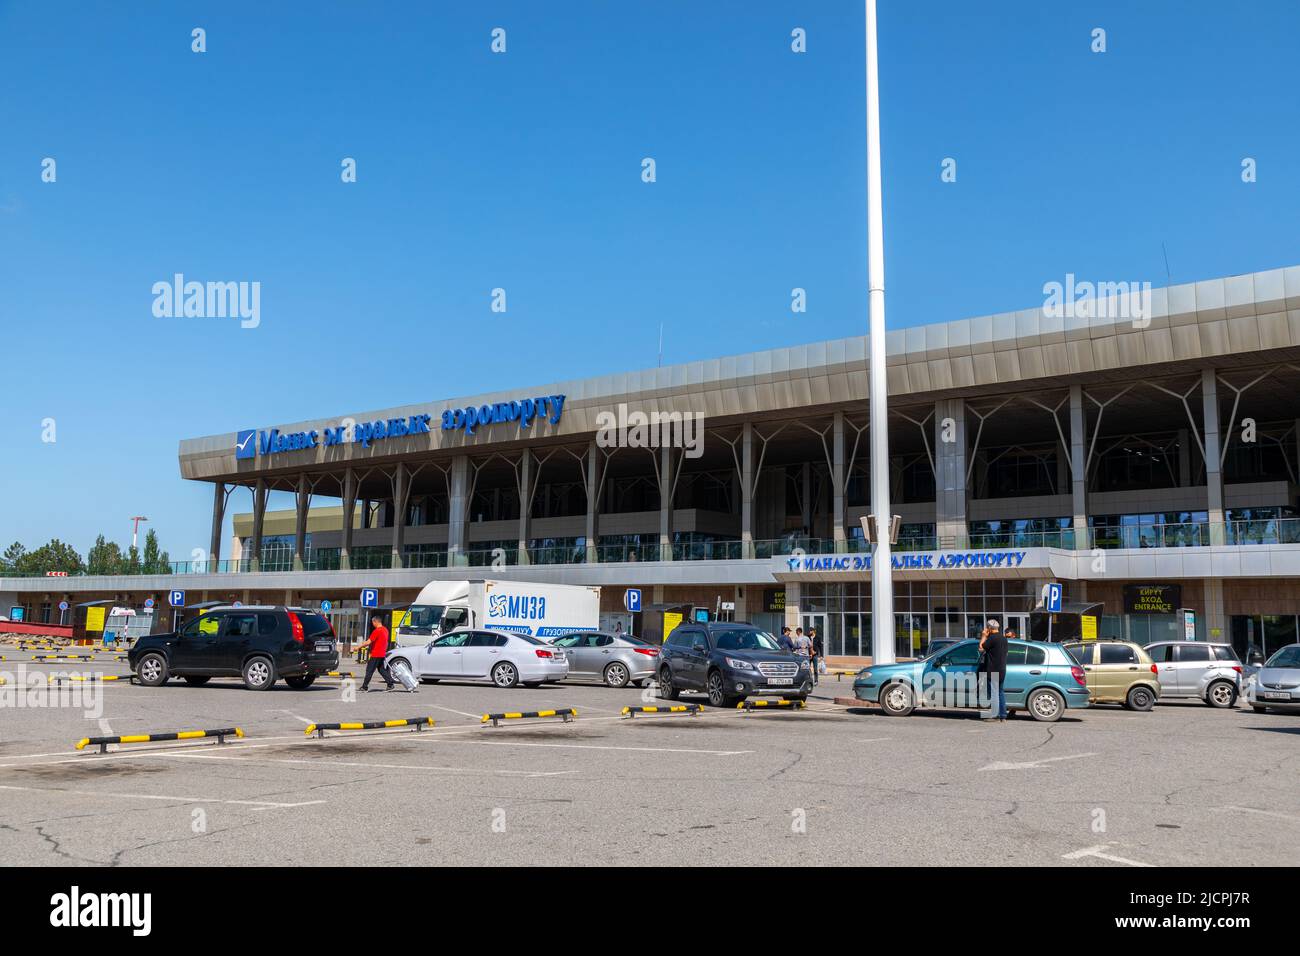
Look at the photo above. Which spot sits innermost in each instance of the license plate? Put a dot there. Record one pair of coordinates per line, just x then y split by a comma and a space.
781, 681
324, 646
1276, 696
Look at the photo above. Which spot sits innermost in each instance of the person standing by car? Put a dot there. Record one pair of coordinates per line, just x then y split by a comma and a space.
802, 645
786, 643
377, 644
815, 651
993, 665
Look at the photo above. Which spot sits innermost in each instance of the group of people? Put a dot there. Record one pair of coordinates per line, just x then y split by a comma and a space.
807, 645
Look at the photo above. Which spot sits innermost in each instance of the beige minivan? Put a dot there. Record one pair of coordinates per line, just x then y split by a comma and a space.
1118, 672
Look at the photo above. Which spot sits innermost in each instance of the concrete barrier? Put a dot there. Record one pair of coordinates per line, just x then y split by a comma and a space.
415, 723
103, 742
566, 714
692, 709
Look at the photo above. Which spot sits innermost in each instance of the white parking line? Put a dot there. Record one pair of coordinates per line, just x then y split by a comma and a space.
1032, 764
1263, 813
658, 750
327, 764
1096, 851
259, 804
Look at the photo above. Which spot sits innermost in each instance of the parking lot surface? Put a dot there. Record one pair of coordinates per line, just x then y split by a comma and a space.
1184, 784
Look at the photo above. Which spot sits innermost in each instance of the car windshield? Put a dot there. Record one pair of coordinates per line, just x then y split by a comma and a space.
1286, 657
746, 641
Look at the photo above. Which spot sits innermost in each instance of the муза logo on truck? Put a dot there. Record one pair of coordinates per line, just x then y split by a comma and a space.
517, 606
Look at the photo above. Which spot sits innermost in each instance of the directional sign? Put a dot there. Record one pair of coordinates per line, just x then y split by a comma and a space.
176, 598
1052, 593
63, 605
326, 606
370, 597
632, 599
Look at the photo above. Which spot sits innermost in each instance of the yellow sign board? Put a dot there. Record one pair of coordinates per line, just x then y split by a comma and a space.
95, 619
671, 620
398, 618
209, 625
1088, 627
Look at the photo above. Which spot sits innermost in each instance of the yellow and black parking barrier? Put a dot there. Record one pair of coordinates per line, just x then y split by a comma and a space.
415, 723
51, 658
692, 709
566, 714
89, 678
748, 705
843, 673
103, 742
339, 674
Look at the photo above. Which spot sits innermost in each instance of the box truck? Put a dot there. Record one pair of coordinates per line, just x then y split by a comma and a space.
542, 610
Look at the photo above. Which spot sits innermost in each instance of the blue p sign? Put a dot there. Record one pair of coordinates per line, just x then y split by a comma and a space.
176, 598
369, 597
1052, 598
632, 599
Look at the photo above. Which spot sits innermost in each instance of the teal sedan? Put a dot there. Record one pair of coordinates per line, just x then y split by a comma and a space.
1041, 678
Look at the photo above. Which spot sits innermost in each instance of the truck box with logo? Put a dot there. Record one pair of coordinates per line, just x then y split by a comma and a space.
522, 607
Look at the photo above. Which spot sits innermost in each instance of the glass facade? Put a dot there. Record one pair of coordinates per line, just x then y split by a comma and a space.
923, 610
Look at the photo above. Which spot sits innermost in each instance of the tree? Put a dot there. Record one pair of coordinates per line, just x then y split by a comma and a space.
151, 559
55, 556
13, 554
104, 557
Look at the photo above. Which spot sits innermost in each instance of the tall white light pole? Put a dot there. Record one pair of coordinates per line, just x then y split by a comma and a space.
882, 584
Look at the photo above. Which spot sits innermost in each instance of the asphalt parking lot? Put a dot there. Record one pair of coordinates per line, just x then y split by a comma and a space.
1184, 784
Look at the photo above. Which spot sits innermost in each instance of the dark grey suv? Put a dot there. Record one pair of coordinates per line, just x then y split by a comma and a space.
729, 662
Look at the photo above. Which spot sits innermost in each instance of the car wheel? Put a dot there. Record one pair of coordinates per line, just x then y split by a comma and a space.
152, 670
505, 674
896, 700
667, 690
302, 682
717, 690
616, 674
1221, 694
1140, 698
196, 681
1046, 705
259, 673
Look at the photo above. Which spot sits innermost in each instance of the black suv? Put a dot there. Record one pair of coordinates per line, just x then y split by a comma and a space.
729, 662
259, 644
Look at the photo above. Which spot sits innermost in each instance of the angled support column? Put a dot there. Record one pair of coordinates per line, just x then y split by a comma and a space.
349, 515
837, 485
593, 505
747, 491
259, 518
526, 480
665, 504
1078, 467
401, 491
457, 506
950, 469
218, 518
302, 502
1213, 456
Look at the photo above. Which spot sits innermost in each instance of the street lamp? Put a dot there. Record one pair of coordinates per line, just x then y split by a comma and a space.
882, 584
135, 527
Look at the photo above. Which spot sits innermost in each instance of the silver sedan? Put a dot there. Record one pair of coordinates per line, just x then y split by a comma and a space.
613, 659
1277, 685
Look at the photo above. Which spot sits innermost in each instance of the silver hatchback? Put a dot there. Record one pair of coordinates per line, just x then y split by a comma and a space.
613, 659
1198, 669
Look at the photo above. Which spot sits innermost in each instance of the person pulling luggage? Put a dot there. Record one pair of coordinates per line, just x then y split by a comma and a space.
377, 645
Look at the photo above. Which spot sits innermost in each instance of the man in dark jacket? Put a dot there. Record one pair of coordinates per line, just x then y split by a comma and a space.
993, 667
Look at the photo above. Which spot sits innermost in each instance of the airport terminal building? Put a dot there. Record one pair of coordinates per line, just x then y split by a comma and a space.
1150, 464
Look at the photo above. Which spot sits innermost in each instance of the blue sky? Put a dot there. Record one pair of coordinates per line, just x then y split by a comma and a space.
522, 171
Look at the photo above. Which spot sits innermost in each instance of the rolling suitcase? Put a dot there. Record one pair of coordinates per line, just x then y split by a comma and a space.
402, 674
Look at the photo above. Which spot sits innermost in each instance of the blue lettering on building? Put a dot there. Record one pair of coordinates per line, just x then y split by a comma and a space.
272, 441
548, 407
943, 561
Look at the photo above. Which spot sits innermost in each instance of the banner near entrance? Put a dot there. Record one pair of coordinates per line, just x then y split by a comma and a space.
1153, 598
934, 565
95, 619
774, 600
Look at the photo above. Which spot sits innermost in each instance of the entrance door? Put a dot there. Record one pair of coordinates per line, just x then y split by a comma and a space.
815, 619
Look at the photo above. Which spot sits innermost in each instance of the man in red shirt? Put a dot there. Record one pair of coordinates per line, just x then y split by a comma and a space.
378, 644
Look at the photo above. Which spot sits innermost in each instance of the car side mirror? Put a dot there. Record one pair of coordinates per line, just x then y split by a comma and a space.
700, 646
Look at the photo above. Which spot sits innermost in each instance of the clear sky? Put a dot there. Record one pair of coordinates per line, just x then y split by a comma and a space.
522, 171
